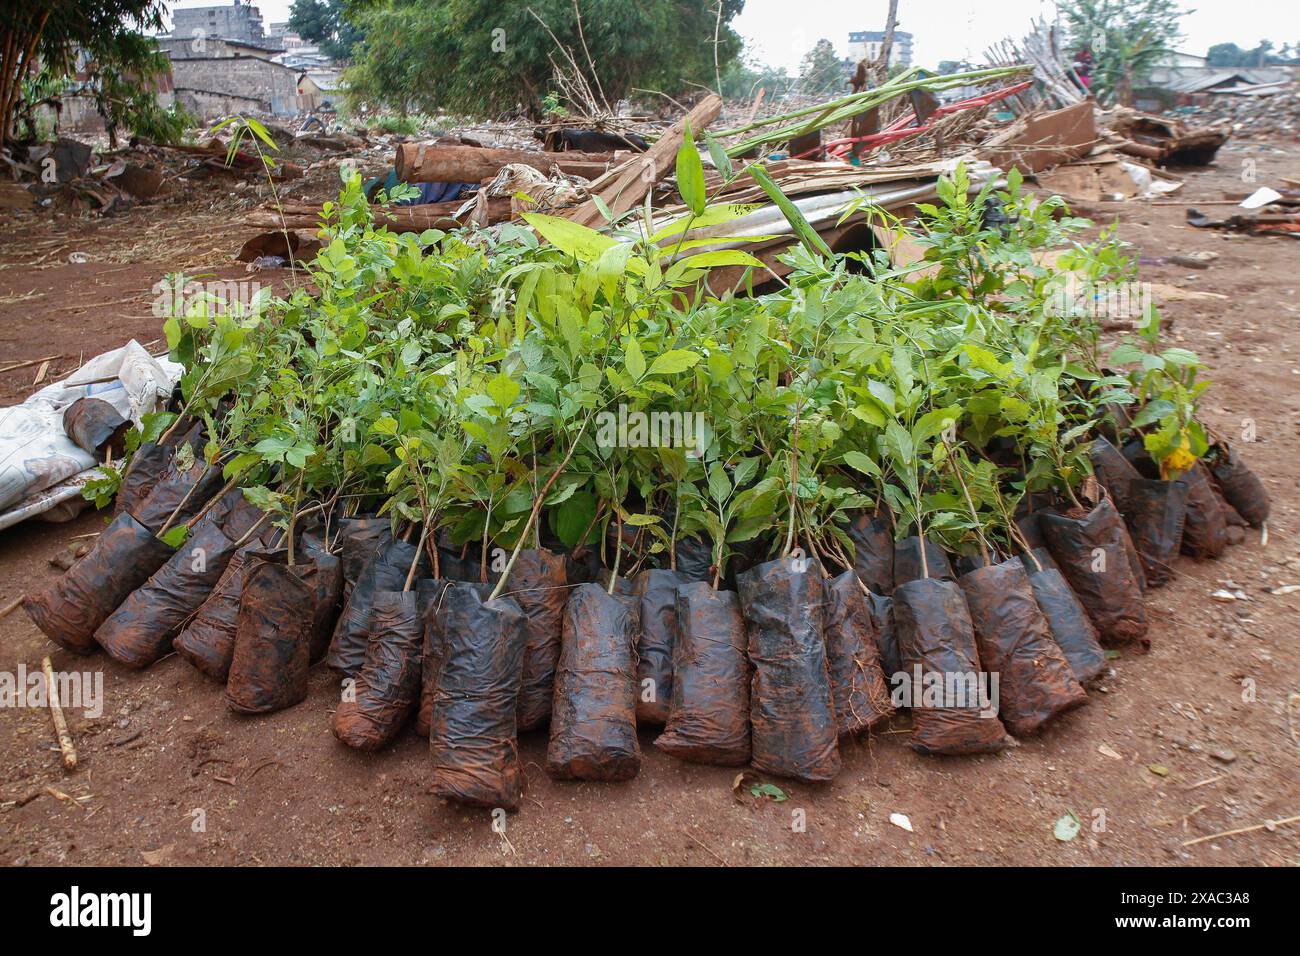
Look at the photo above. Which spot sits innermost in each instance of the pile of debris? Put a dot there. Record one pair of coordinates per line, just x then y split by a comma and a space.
1265, 212
1276, 114
592, 176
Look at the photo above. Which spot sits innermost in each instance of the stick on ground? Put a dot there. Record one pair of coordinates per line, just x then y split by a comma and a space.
60, 724
1266, 825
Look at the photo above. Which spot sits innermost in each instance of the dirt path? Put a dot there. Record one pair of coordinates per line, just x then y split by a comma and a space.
170, 775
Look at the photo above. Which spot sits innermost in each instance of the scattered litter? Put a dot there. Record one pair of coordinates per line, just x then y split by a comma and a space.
1067, 827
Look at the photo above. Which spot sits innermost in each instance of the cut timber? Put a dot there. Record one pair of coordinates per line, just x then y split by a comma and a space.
624, 187
438, 163
434, 215
56, 711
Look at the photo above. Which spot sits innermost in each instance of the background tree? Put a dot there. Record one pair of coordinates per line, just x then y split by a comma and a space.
1229, 54
821, 71
483, 57
744, 77
327, 23
47, 34
1126, 38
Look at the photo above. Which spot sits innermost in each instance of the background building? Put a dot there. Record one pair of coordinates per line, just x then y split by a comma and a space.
865, 45
239, 21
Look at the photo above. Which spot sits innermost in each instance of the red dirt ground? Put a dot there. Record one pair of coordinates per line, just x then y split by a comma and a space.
280, 789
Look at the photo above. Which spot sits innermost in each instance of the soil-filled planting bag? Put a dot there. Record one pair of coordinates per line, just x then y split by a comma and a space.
145, 468
387, 691
858, 686
472, 734
791, 710
873, 552
1113, 471
708, 721
656, 590
583, 569
1072, 629
183, 491
329, 589
208, 640
1154, 516
694, 559
148, 464
882, 619
143, 627
1035, 681
429, 597
1089, 550
358, 541
1241, 487
1205, 527
537, 584
1131, 552
1032, 530
593, 721
386, 571
907, 561
935, 634
243, 517
268, 669
73, 608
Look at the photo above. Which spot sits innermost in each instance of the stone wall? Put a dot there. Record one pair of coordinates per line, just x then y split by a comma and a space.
272, 86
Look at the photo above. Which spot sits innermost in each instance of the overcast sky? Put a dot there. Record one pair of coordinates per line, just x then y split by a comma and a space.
781, 31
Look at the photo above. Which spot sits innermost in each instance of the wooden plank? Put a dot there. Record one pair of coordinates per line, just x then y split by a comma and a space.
625, 187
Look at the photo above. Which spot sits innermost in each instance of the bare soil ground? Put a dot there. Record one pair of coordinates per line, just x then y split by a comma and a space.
282, 790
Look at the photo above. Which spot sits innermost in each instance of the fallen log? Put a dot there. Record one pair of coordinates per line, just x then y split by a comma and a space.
438, 163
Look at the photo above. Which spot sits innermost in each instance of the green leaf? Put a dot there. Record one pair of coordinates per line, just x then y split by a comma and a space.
933, 422
673, 361
713, 216
633, 359
573, 517
176, 536
585, 245
719, 483
1126, 353
806, 233
690, 174
503, 391
718, 153
860, 462
722, 257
